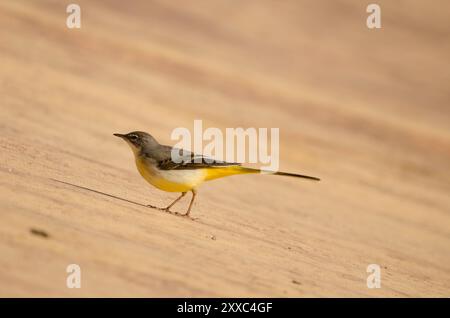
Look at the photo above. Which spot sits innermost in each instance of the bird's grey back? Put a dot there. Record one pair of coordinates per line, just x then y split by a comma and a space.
167, 157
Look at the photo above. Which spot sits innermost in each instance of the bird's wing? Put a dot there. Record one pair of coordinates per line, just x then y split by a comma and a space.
189, 161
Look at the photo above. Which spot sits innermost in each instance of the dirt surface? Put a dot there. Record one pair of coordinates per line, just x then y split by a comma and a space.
365, 110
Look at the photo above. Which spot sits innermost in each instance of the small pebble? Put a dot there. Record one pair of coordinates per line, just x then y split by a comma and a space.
40, 233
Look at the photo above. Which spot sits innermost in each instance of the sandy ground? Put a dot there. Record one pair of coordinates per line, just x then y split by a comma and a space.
366, 110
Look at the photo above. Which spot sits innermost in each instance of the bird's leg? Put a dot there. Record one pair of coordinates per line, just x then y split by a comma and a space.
172, 204
194, 193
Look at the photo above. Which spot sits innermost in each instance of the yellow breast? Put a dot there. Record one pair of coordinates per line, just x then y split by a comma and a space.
170, 180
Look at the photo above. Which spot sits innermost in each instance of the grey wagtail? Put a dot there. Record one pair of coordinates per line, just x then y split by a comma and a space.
154, 162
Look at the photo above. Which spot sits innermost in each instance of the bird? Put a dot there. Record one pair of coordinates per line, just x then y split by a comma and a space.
155, 164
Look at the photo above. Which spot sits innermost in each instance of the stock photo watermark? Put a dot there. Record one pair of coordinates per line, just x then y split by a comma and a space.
374, 19
73, 20
73, 280
374, 278
240, 145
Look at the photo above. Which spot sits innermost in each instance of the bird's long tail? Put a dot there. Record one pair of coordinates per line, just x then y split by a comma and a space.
219, 172
287, 174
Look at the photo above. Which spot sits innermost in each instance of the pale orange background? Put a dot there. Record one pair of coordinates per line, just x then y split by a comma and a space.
365, 110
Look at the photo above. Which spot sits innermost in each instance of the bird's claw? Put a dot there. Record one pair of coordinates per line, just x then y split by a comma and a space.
167, 210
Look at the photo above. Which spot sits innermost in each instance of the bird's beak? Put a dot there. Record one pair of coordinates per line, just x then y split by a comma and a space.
119, 135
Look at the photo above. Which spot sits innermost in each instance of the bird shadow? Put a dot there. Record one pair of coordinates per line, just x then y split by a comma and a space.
126, 200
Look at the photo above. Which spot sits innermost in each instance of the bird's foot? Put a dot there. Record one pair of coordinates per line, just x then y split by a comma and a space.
185, 215
181, 214
167, 210
158, 208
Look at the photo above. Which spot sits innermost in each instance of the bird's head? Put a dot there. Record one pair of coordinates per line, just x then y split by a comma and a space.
139, 141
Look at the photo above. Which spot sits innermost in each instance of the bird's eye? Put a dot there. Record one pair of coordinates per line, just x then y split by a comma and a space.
133, 137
